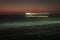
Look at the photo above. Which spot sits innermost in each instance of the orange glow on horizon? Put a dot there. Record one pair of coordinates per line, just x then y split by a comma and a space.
30, 9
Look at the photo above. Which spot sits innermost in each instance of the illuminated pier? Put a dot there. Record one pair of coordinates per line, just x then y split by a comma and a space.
43, 15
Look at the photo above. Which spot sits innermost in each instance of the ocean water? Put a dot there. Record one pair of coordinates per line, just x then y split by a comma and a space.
22, 20
19, 27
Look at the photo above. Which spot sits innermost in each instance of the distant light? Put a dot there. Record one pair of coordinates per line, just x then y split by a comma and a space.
28, 14
36, 14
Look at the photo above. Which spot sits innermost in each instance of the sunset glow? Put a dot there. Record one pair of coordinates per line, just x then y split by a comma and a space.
29, 6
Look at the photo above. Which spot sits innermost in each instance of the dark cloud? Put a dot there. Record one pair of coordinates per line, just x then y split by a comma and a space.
32, 1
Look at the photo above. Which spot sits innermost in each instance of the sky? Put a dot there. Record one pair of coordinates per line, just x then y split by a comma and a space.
29, 6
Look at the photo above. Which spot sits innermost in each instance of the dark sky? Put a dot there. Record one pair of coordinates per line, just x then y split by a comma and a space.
29, 5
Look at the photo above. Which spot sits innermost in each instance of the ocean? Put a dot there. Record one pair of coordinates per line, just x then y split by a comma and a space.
19, 27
